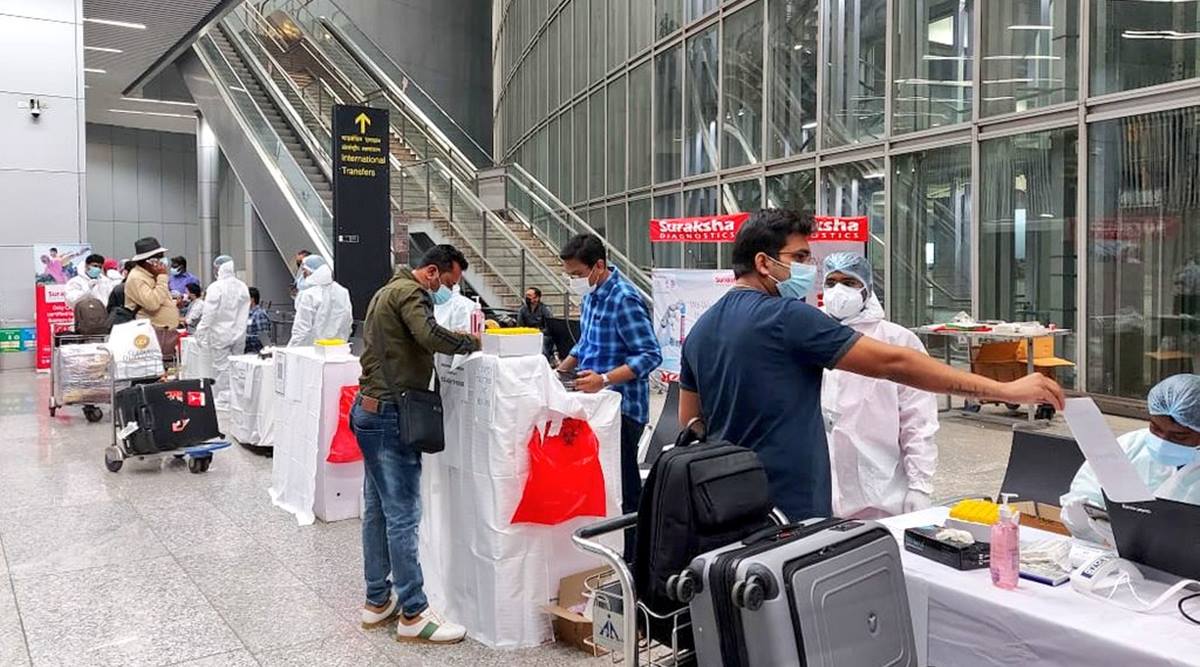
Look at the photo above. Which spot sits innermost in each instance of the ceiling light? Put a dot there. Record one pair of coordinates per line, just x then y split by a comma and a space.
1031, 27
148, 100
1171, 35
153, 113
95, 70
102, 49
872, 177
119, 24
809, 126
1022, 57
1046, 215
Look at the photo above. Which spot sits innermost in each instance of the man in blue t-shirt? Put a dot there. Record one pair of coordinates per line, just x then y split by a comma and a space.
752, 364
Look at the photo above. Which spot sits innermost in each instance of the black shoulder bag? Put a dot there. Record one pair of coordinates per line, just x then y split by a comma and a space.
420, 411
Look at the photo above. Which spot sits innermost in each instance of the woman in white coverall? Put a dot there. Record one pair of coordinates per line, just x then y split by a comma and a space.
881, 434
1165, 455
222, 327
322, 307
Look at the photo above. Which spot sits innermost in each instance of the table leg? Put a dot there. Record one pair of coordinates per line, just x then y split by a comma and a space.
1031, 370
949, 397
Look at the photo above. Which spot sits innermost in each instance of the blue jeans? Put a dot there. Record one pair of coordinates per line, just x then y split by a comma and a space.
392, 490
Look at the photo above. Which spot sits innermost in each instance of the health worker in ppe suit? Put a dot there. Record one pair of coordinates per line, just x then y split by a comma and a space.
322, 307
222, 328
881, 434
1165, 455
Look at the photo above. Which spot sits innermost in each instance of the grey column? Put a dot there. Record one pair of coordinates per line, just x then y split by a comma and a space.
208, 160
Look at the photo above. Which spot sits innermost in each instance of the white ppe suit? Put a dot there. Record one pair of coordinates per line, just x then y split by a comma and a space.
81, 286
322, 309
454, 315
881, 434
222, 328
1165, 481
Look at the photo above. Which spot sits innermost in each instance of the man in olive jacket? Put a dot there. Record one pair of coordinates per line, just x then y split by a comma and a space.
400, 337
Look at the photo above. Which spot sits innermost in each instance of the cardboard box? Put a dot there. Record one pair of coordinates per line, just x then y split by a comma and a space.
512, 345
570, 627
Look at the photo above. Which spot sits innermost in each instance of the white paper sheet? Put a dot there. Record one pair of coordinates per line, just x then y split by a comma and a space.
1117, 475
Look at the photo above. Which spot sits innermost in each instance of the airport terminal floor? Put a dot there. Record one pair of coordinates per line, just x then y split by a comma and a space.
156, 566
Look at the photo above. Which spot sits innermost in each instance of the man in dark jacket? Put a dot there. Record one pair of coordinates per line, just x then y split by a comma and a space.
400, 337
536, 315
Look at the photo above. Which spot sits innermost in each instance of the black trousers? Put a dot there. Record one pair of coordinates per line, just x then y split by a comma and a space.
631, 479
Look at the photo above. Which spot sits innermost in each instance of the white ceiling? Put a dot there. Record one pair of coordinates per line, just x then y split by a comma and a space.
166, 23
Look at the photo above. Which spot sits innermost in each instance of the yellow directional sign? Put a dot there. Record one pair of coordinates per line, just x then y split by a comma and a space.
363, 123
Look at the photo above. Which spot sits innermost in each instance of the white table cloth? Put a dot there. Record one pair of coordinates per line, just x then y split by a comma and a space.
251, 414
195, 362
485, 572
961, 619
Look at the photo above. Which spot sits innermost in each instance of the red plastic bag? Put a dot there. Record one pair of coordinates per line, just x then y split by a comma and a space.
344, 448
565, 478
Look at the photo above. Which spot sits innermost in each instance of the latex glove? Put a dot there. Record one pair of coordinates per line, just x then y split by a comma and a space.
915, 501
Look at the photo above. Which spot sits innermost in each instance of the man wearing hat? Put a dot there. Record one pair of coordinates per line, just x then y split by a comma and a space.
147, 293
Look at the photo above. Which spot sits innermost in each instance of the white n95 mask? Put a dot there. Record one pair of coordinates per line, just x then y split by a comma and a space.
580, 287
843, 302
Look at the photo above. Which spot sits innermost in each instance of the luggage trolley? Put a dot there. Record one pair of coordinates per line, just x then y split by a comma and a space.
627, 635
198, 456
80, 376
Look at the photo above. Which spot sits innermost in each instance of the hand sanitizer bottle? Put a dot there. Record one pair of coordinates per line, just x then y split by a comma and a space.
477, 319
1005, 549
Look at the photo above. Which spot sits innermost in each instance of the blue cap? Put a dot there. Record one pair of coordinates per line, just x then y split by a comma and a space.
851, 264
313, 262
1177, 397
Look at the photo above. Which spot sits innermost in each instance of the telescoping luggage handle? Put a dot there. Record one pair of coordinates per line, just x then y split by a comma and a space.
797, 530
688, 436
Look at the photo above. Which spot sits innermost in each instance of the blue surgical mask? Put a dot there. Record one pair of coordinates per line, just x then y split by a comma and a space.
93, 272
1168, 453
441, 295
174, 271
801, 281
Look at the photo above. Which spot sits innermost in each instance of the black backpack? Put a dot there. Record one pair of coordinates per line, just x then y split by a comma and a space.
699, 496
91, 318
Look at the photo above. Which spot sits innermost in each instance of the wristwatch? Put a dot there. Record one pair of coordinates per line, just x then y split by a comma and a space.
604, 378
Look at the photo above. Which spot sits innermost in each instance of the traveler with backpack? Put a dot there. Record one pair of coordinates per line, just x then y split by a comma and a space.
92, 282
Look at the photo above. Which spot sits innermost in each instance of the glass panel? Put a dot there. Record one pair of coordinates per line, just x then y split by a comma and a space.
850, 189
667, 255
567, 16
668, 99
639, 233
581, 151
931, 235
698, 8
743, 196
566, 161
668, 16
856, 77
701, 93
1137, 43
641, 24
1143, 250
701, 201
1030, 54
581, 44
553, 182
599, 17
743, 55
616, 227
639, 126
617, 133
618, 34
555, 65
595, 219
596, 144
792, 77
932, 65
1027, 223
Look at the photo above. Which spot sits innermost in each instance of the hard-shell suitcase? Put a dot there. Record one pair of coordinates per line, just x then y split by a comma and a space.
168, 415
824, 592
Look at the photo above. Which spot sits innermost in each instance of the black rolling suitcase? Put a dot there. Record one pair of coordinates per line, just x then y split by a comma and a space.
169, 415
698, 496
826, 592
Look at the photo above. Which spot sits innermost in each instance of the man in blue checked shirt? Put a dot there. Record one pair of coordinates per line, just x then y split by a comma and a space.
616, 347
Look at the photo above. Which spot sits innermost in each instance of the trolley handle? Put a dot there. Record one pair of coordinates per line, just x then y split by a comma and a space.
606, 526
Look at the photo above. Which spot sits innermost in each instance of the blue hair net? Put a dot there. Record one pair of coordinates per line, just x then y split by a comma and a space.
313, 262
851, 264
1177, 397
221, 259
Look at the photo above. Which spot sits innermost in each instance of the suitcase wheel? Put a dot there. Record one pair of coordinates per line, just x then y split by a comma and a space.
53, 410
199, 464
756, 588
683, 587
112, 459
93, 413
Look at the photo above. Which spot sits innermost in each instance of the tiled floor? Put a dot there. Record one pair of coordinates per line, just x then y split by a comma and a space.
156, 566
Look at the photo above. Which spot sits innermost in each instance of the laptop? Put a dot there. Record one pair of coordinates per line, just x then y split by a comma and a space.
1163, 534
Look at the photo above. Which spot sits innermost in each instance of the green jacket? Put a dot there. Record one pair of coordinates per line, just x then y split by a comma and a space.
402, 311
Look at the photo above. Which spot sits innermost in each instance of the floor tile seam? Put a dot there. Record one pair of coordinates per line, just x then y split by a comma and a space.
12, 590
214, 655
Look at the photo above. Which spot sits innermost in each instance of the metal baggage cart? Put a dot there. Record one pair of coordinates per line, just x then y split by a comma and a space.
626, 635
66, 381
198, 457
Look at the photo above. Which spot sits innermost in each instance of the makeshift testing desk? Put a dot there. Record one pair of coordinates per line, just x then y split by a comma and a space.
960, 618
307, 388
194, 361
251, 416
482, 570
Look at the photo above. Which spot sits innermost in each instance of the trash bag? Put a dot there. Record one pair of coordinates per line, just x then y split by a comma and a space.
565, 477
344, 448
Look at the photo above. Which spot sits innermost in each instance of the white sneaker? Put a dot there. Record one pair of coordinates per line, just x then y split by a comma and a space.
429, 628
374, 619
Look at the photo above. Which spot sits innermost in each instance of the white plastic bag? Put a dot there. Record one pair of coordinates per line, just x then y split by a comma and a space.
135, 350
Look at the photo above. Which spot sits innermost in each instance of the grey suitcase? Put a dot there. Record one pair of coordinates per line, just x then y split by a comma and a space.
820, 593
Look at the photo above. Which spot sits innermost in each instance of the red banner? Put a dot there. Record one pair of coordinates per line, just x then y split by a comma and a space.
837, 228
53, 315
698, 229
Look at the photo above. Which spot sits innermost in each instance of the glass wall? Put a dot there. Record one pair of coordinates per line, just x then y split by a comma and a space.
640, 156
856, 71
617, 132
854, 189
700, 104
668, 121
792, 77
667, 255
742, 54
1030, 54
701, 201
1143, 240
931, 235
1137, 43
932, 64
1027, 214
